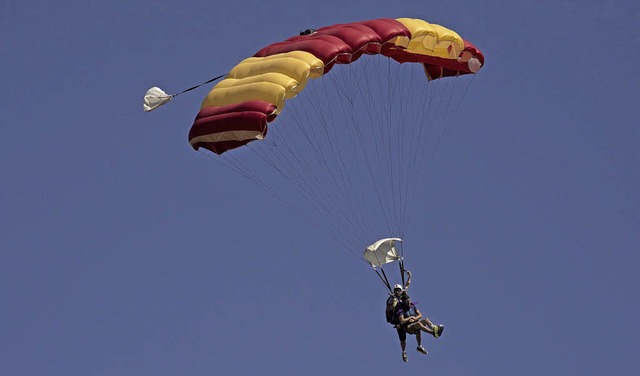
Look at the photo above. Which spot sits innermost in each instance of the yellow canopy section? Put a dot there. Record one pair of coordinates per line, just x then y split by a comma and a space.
431, 39
291, 85
284, 62
271, 79
264, 91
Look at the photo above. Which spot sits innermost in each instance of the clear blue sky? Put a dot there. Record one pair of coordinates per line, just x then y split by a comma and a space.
124, 252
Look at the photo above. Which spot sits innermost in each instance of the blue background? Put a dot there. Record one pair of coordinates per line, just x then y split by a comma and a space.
123, 252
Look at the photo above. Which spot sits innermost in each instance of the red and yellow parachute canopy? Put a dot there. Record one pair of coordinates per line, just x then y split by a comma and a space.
236, 111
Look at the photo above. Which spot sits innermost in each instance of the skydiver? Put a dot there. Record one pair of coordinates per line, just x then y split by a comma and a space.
392, 308
398, 291
412, 322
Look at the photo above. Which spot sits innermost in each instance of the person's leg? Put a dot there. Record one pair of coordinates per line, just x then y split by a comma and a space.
429, 323
436, 330
419, 342
402, 335
419, 326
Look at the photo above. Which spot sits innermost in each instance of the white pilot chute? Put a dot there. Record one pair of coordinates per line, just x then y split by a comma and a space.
382, 252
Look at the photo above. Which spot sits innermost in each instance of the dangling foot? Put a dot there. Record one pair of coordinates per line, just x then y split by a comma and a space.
422, 350
437, 330
404, 357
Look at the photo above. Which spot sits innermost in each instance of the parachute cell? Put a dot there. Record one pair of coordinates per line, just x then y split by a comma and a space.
227, 127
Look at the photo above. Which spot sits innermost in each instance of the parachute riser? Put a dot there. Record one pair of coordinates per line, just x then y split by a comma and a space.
383, 275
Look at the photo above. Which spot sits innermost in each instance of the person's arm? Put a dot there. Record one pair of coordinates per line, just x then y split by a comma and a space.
410, 319
402, 320
406, 285
418, 315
